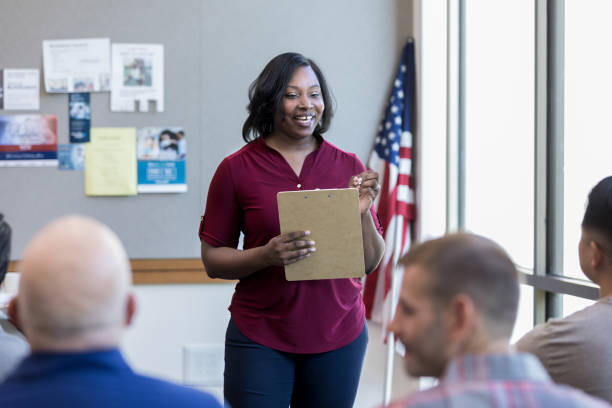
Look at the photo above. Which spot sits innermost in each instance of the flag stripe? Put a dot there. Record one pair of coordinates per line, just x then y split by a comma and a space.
405, 180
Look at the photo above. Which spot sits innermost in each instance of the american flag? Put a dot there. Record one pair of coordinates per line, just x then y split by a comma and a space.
392, 159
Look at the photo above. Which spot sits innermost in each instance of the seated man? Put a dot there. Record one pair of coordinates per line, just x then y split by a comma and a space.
457, 306
577, 350
74, 304
13, 347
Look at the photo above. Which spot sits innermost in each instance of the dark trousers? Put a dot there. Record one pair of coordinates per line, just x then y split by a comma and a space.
258, 376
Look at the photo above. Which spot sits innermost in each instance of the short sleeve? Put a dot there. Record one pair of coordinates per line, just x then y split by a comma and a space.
222, 220
534, 341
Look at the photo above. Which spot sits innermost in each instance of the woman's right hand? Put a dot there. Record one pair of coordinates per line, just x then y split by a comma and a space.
289, 248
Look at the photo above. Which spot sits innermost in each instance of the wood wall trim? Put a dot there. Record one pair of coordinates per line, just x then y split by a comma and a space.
164, 271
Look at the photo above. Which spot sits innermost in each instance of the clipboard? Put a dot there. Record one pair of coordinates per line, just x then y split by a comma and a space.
334, 221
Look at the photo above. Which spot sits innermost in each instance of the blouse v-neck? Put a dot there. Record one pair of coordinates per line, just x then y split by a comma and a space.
307, 159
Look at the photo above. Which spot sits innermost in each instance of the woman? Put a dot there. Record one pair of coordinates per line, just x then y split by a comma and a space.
299, 343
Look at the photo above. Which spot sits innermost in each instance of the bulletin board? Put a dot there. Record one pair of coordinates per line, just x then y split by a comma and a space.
153, 225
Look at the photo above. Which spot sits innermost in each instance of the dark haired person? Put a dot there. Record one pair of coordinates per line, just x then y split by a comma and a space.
299, 343
577, 350
457, 307
13, 347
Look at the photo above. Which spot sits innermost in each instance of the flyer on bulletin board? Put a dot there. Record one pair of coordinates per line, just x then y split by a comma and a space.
77, 65
162, 155
137, 77
28, 140
19, 89
79, 117
71, 156
110, 162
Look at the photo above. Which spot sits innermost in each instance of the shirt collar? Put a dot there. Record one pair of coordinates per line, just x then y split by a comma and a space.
40, 364
508, 366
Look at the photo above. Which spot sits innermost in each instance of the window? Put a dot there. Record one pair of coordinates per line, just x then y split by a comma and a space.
572, 304
524, 319
498, 128
530, 123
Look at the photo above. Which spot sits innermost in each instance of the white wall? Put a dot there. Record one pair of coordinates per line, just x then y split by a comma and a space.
171, 316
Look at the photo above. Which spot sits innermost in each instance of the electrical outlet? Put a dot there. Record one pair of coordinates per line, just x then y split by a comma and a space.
203, 364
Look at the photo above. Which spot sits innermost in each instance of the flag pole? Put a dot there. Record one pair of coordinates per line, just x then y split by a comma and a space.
388, 371
388, 382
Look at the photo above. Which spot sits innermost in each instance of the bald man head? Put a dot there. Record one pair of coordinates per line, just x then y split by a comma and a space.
75, 287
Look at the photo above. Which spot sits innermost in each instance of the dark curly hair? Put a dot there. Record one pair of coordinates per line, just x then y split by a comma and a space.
267, 91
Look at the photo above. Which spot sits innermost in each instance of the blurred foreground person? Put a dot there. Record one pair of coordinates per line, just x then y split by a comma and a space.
457, 307
74, 303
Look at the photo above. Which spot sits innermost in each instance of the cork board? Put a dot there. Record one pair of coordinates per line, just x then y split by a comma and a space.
334, 221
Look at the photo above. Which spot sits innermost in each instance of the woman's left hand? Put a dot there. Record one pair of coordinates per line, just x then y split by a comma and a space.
367, 184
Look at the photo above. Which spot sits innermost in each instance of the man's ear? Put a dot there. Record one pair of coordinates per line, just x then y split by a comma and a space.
462, 318
130, 309
13, 315
597, 254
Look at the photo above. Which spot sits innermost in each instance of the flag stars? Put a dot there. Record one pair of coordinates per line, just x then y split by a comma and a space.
398, 120
400, 94
394, 109
395, 147
403, 68
397, 83
388, 125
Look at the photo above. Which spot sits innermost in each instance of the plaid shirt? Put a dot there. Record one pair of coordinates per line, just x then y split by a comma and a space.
498, 380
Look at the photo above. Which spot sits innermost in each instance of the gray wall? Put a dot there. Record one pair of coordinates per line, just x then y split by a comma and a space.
213, 50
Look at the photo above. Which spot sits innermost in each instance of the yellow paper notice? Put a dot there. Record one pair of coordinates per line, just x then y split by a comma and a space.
110, 162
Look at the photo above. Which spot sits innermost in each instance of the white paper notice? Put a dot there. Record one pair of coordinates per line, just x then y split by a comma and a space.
80, 65
138, 77
19, 89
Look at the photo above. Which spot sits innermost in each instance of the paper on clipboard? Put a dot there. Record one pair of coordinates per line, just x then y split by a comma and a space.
334, 221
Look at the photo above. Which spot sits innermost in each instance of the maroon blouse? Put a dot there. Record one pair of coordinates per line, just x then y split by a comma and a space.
297, 317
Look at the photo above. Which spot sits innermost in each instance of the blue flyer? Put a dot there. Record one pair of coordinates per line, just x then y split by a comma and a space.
162, 155
79, 114
71, 156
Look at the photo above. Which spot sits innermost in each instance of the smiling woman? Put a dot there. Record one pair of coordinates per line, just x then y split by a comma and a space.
297, 118
276, 85
300, 343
